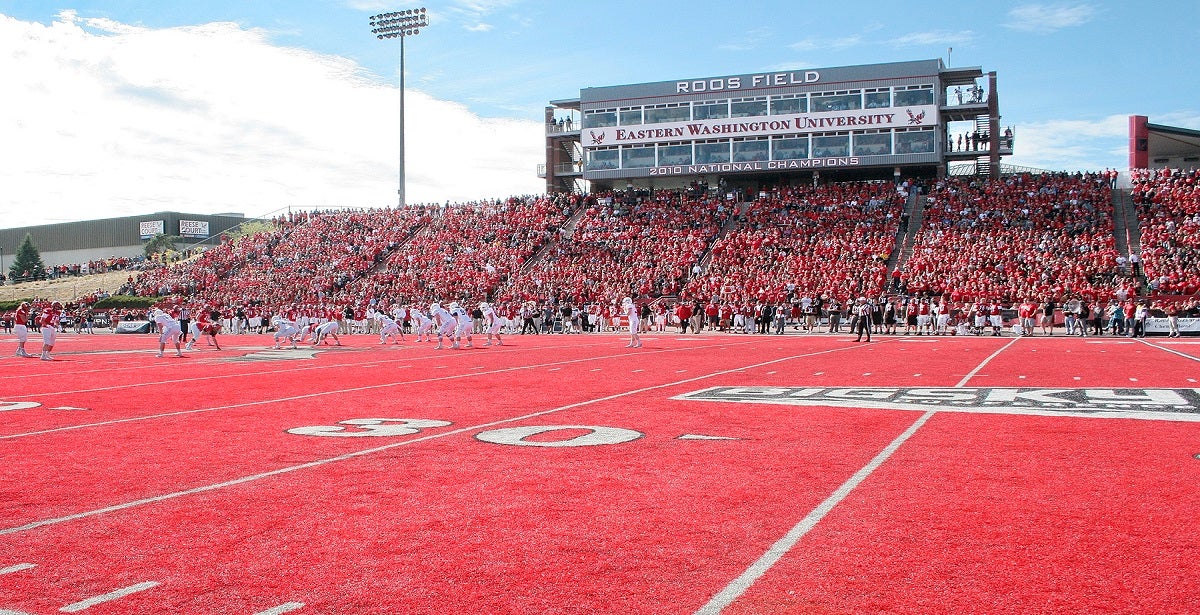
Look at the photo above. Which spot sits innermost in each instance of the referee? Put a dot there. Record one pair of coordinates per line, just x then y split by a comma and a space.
863, 311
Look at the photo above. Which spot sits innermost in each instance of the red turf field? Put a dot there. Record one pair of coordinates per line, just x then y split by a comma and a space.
709, 473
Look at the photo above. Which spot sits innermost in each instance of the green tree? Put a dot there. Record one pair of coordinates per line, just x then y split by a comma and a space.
160, 243
247, 229
28, 264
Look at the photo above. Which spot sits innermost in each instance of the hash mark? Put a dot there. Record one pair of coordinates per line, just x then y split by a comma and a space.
16, 568
283, 608
110, 596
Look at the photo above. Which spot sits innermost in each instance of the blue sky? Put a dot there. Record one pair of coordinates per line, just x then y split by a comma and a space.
134, 107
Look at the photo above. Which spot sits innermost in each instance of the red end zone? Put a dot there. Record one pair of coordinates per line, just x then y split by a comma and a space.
569, 474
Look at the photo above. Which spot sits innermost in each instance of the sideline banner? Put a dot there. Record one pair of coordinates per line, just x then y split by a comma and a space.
133, 326
1186, 325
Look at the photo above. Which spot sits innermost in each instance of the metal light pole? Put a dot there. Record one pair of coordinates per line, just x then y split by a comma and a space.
400, 24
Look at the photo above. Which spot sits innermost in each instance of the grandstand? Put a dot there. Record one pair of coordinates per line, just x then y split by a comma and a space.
842, 182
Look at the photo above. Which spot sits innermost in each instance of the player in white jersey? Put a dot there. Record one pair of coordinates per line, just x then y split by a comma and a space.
491, 323
284, 330
464, 324
424, 324
388, 328
443, 322
171, 332
631, 312
323, 330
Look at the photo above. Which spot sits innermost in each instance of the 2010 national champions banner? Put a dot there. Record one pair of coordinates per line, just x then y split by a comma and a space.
800, 123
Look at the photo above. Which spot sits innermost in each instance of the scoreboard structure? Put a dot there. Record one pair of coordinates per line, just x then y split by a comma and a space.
870, 122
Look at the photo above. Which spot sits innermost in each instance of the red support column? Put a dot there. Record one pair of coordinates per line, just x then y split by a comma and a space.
1139, 142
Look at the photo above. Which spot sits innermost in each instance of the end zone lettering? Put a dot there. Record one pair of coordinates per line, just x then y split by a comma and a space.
1176, 404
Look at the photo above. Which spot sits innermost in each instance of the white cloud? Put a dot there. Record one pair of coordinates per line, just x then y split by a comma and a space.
1044, 19
1072, 145
940, 37
105, 119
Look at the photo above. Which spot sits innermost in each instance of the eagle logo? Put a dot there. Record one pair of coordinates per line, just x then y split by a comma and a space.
597, 139
915, 119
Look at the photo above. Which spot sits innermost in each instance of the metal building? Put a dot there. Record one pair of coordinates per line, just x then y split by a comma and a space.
80, 242
854, 122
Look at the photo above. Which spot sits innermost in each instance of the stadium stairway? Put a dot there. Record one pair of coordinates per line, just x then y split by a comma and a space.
738, 210
1126, 230
914, 209
566, 230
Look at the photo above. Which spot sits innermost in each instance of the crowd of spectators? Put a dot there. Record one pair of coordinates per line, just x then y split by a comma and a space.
832, 239
1168, 205
625, 243
467, 251
1018, 237
303, 258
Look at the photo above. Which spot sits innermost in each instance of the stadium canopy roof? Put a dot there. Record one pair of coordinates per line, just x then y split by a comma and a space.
1173, 141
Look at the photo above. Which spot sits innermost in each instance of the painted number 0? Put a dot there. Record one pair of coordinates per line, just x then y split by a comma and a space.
596, 436
360, 428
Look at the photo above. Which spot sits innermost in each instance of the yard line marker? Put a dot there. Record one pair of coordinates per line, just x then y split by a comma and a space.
110, 596
17, 568
362, 453
554, 369
777, 551
283, 608
769, 373
638, 370
595, 369
781, 547
972, 373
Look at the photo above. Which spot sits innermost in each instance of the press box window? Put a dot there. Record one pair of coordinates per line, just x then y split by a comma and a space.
637, 157
600, 119
718, 110
751, 151
912, 98
831, 147
674, 154
712, 153
789, 106
789, 148
600, 160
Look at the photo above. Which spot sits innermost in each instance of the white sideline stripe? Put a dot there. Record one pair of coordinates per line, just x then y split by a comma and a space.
286, 607
781, 547
17, 568
738, 586
110, 596
337, 392
1170, 350
320, 462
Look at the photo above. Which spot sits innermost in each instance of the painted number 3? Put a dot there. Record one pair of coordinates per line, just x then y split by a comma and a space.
362, 428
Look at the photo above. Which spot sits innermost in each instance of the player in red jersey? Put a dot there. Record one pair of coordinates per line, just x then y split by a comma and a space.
48, 322
21, 328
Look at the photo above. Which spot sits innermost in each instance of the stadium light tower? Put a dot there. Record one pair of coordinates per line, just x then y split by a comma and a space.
401, 25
